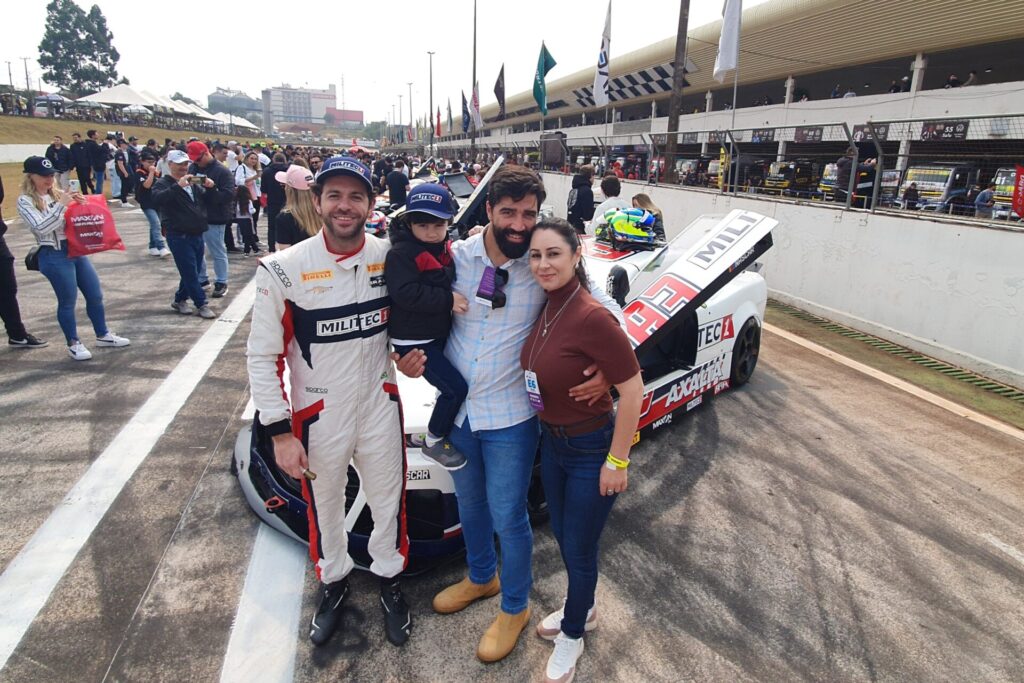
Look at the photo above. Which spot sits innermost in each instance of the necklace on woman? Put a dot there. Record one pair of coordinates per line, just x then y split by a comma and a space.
546, 323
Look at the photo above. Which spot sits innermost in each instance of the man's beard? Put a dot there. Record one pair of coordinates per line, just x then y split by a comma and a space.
339, 234
513, 250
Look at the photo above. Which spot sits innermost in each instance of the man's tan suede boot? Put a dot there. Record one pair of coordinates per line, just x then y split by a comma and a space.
461, 595
501, 637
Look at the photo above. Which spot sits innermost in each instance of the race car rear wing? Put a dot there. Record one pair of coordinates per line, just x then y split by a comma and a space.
695, 275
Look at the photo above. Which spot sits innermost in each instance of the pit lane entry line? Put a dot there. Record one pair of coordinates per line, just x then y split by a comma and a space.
265, 633
900, 384
31, 576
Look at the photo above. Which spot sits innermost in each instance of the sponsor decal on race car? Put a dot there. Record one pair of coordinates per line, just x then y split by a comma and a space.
418, 474
603, 252
715, 331
317, 275
662, 421
658, 303
718, 243
666, 399
721, 386
693, 404
636, 438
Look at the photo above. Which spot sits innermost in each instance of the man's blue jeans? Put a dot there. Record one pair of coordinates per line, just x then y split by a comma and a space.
188, 256
67, 276
115, 185
97, 177
156, 240
218, 251
570, 469
491, 490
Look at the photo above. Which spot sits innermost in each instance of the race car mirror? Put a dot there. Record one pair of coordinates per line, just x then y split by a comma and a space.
707, 265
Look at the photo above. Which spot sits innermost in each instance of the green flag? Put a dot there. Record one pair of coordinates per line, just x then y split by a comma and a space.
540, 92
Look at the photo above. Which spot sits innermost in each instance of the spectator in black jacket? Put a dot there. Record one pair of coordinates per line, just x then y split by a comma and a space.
275, 196
581, 198
122, 167
145, 177
10, 312
80, 159
419, 271
219, 211
98, 154
178, 196
60, 157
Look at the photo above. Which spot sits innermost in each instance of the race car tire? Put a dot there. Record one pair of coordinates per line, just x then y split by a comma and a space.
745, 352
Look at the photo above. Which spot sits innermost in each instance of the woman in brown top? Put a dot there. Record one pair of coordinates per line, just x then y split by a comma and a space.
584, 448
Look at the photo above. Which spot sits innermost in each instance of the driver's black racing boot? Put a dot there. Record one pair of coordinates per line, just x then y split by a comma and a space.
397, 620
328, 614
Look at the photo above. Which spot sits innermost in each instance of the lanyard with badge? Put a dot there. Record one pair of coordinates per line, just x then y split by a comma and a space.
532, 385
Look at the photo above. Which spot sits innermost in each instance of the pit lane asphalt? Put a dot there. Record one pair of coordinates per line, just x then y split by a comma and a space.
813, 525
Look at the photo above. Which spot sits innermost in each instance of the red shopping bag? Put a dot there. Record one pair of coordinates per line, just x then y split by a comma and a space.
89, 228
263, 201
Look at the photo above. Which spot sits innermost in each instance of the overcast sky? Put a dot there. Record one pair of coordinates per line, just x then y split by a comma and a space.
377, 46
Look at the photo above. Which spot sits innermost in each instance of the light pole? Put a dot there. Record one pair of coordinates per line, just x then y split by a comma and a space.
430, 114
410, 103
400, 109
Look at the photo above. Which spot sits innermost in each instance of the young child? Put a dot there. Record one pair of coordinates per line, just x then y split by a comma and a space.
243, 217
419, 271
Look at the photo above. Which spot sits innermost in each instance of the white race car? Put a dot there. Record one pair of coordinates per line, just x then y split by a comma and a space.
693, 310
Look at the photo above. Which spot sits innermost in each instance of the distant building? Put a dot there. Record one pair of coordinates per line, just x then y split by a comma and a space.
232, 102
285, 104
345, 118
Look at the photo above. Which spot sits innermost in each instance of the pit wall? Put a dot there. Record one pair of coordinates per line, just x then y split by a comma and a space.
948, 290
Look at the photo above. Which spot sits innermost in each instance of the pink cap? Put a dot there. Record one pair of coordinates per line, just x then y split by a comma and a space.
296, 176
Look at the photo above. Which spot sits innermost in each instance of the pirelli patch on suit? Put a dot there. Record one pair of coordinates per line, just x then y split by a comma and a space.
375, 267
317, 275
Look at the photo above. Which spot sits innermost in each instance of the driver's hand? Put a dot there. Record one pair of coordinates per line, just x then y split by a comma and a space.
290, 455
593, 389
411, 364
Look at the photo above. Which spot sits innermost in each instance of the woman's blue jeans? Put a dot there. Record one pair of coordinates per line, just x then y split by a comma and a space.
67, 276
570, 469
156, 240
491, 490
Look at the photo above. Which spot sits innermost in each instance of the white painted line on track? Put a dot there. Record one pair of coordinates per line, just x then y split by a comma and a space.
1005, 547
30, 578
920, 393
265, 635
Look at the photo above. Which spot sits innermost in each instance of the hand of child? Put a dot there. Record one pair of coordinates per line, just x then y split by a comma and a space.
459, 303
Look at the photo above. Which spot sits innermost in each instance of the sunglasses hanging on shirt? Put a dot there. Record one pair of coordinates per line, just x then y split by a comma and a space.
491, 292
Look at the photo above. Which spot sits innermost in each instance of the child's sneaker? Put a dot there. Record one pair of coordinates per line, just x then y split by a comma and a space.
442, 452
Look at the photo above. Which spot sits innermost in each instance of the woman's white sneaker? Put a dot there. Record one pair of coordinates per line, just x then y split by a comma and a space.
111, 339
562, 662
551, 625
78, 351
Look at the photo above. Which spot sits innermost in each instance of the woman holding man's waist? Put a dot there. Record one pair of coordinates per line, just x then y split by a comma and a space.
584, 448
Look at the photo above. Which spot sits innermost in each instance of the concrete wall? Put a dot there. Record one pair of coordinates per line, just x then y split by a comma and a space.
10, 154
952, 291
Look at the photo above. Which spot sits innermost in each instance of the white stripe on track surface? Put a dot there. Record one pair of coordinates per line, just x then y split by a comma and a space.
265, 635
30, 578
900, 384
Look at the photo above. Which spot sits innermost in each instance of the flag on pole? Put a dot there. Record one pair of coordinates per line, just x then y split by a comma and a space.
437, 131
408, 133
465, 113
729, 42
474, 108
545, 62
499, 92
603, 58
451, 124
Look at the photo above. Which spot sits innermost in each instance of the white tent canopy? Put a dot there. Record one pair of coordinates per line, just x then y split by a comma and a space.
167, 103
196, 111
235, 121
119, 95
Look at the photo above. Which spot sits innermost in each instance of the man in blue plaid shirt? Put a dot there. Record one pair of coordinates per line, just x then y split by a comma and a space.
497, 429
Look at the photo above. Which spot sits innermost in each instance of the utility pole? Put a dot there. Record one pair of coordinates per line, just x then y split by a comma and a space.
430, 115
10, 76
472, 87
400, 109
410, 104
343, 91
676, 101
28, 89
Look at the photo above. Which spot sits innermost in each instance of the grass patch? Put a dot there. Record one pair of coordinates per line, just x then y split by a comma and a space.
11, 174
24, 130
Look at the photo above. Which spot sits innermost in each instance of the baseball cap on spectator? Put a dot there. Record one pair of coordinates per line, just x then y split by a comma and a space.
296, 176
176, 156
432, 199
132, 138
38, 166
339, 165
196, 150
150, 141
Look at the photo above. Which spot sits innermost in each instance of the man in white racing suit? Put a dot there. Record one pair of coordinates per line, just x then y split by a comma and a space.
322, 306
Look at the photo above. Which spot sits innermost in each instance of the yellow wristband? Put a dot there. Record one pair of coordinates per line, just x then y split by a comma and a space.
619, 464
